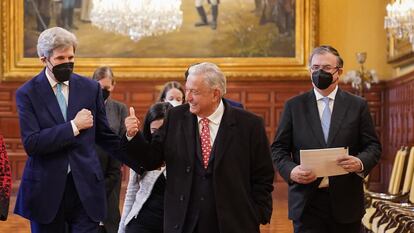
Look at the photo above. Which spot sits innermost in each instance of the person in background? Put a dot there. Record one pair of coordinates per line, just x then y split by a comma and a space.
116, 112
220, 173
172, 92
5, 181
143, 210
326, 117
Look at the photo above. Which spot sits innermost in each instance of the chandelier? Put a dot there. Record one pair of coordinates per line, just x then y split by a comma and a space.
137, 18
400, 20
361, 79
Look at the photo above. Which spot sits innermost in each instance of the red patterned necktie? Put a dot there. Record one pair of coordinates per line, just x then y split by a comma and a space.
205, 141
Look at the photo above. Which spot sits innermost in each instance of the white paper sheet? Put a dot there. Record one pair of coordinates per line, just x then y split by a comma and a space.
323, 161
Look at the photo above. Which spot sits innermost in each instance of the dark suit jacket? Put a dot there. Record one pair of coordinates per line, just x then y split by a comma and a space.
242, 172
116, 112
51, 145
234, 103
351, 126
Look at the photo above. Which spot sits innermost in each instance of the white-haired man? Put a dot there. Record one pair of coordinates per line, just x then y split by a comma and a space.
219, 170
62, 116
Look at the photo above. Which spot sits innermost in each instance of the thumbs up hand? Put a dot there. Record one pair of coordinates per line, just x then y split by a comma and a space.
132, 123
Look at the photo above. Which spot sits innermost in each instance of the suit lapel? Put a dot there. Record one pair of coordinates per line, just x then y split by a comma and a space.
73, 98
189, 129
48, 97
313, 118
225, 134
338, 114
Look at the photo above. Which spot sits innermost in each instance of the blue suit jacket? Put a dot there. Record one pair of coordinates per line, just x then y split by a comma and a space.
234, 103
51, 145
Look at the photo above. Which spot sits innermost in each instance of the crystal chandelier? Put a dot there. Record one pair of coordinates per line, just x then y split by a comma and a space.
400, 20
361, 79
137, 18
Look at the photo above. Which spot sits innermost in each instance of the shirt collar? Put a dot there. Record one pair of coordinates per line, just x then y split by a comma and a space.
331, 95
215, 118
52, 81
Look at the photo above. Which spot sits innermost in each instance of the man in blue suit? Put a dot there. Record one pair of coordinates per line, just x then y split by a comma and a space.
62, 116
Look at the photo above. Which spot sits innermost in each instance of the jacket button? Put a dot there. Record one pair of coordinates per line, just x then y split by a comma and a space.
176, 227
181, 197
188, 169
202, 198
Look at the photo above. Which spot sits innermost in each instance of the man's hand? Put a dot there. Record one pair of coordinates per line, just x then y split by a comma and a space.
349, 163
132, 123
302, 176
83, 119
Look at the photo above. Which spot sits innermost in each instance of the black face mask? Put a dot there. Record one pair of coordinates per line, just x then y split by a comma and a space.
105, 93
63, 71
322, 79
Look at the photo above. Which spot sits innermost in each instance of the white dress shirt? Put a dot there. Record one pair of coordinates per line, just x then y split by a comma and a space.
214, 122
321, 107
65, 90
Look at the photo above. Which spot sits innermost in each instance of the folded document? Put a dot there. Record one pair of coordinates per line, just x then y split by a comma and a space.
323, 161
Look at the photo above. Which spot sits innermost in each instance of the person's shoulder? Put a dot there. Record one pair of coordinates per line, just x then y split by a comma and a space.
117, 103
244, 116
30, 84
180, 109
350, 95
234, 103
83, 80
300, 99
179, 112
355, 99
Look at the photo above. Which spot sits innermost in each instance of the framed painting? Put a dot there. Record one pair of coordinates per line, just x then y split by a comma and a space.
254, 39
400, 52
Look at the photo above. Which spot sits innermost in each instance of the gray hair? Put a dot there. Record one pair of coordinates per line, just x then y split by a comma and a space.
103, 72
212, 74
327, 49
53, 38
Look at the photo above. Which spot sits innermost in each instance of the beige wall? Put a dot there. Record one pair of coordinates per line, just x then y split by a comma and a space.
354, 26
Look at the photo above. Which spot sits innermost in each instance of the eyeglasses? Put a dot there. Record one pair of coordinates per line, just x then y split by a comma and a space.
192, 91
327, 68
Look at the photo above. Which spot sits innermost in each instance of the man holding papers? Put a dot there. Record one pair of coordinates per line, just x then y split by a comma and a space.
326, 117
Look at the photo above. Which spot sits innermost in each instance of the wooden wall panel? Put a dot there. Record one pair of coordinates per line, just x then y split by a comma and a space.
264, 98
398, 119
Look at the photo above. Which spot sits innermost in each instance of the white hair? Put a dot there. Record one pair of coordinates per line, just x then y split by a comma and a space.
212, 74
53, 38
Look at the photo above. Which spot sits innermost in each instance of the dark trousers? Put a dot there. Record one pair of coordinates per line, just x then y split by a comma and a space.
134, 226
71, 216
317, 217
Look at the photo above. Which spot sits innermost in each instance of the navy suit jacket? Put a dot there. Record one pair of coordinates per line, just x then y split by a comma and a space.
51, 145
235, 104
351, 126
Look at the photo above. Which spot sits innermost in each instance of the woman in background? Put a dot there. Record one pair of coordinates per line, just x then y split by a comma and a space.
143, 210
172, 92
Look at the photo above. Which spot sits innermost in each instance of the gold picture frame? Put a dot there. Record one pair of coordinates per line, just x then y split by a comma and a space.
400, 52
14, 66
